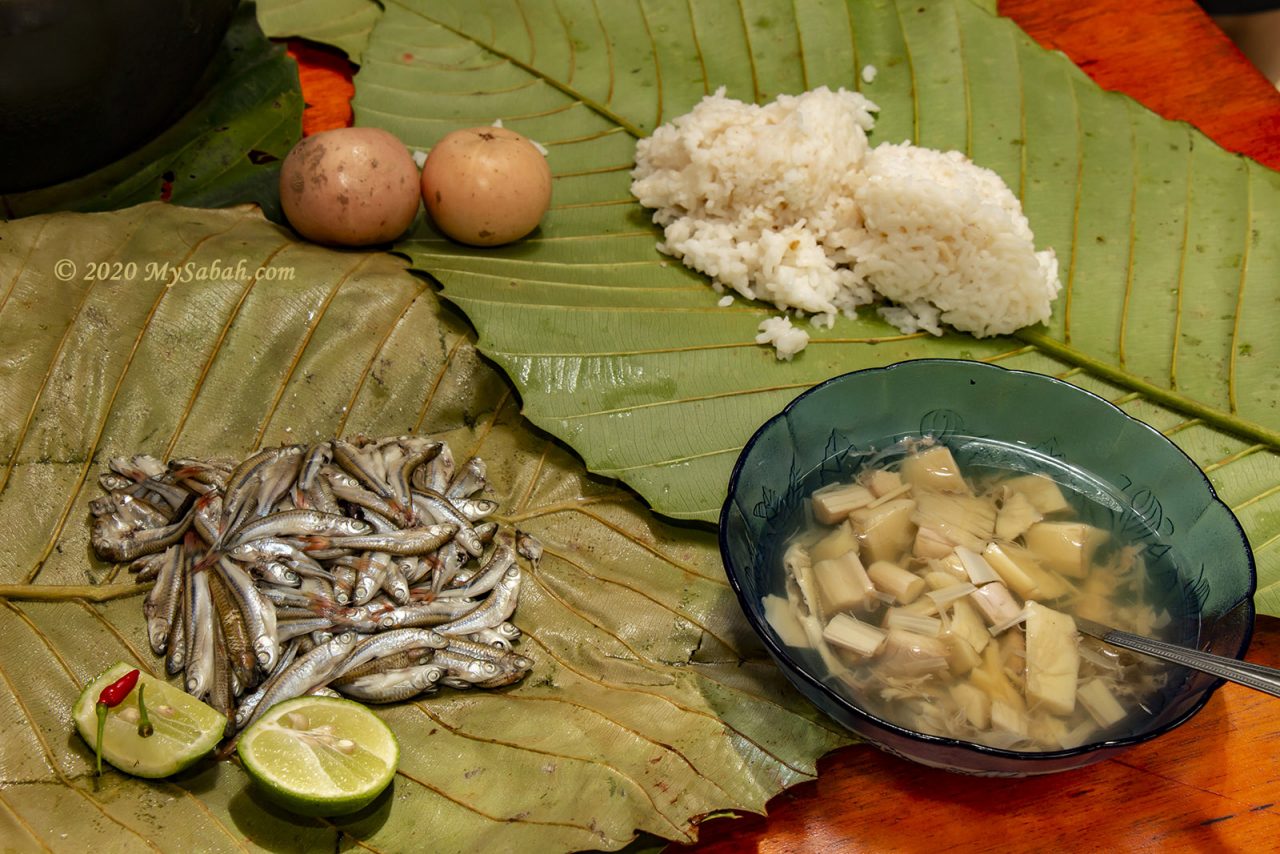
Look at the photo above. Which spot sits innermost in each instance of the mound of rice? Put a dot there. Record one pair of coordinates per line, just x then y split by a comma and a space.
787, 202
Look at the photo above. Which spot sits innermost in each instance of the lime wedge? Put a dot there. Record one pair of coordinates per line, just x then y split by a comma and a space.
185, 728
320, 755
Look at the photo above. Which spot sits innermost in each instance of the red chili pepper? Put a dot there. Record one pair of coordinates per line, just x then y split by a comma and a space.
112, 696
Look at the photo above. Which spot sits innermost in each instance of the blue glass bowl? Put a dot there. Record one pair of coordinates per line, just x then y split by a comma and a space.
1138, 484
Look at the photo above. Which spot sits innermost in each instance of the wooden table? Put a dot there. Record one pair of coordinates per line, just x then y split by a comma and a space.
1212, 785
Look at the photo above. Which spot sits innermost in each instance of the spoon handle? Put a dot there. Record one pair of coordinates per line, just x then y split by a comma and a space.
1256, 676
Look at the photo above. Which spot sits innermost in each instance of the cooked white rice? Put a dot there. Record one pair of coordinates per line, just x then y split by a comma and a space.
787, 203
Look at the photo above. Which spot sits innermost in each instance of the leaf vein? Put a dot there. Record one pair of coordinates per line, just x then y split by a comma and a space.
461, 733
1234, 343
688, 618
435, 385
668, 748
651, 549
302, 347
633, 689
436, 790
911, 72
1075, 214
670, 461
23, 822
1182, 265
602, 109
215, 351
1133, 228
373, 359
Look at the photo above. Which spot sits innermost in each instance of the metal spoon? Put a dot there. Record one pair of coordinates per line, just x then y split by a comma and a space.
1256, 676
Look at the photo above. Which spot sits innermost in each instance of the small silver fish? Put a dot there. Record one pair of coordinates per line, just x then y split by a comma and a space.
162, 603
312, 670
496, 609
408, 541
291, 523
198, 617
257, 565
393, 686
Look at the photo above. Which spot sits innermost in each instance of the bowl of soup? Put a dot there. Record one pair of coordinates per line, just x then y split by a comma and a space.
913, 544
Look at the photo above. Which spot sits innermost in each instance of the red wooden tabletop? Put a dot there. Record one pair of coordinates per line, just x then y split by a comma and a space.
1211, 785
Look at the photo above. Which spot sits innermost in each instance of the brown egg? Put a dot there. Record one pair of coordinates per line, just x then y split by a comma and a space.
350, 186
486, 186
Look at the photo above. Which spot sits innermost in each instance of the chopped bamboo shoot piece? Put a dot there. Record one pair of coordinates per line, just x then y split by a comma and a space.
853, 634
1017, 513
904, 489
794, 556
814, 631
1050, 584
1053, 662
1066, 547
922, 607
963, 520
966, 623
951, 564
797, 563
1007, 718
1098, 700
976, 567
940, 580
1013, 654
901, 618
994, 603
890, 578
990, 677
843, 583
835, 544
1079, 734
975, 704
779, 613
999, 628
911, 654
1048, 731
1042, 492
961, 656
882, 482
1013, 575
934, 469
833, 504
931, 545
885, 531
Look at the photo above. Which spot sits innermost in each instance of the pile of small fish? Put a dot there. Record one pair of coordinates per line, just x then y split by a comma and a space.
340, 566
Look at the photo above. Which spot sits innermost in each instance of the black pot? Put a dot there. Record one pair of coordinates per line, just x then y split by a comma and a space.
83, 82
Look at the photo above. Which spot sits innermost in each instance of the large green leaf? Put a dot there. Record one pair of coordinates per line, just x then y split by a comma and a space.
225, 150
650, 702
1169, 246
345, 24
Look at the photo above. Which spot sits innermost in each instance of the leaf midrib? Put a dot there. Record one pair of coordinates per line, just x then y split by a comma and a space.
1206, 412
582, 98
